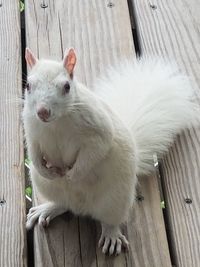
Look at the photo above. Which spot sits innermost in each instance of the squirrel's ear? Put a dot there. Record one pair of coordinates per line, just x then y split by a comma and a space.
69, 61
31, 60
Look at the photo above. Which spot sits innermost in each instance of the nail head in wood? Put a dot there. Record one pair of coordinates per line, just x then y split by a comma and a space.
110, 4
153, 6
43, 5
2, 202
139, 198
188, 200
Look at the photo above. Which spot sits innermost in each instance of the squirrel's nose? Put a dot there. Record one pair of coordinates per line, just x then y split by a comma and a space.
43, 113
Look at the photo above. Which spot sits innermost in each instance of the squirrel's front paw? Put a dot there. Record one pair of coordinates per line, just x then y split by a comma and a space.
73, 175
70, 174
57, 171
52, 171
43, 213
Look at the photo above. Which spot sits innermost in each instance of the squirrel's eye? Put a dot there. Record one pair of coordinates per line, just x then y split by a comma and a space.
28, 87
66, 87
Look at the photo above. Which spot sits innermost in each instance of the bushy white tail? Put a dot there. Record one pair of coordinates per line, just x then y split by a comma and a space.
154, 100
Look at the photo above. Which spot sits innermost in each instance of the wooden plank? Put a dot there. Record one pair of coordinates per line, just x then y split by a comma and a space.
12, 201
171, 29
101, 35
147, 227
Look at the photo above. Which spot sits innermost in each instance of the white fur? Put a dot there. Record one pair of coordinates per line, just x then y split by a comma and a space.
107, 136
87, 133
154, 100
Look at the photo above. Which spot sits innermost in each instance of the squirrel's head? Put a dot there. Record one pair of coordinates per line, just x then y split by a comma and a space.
50, 89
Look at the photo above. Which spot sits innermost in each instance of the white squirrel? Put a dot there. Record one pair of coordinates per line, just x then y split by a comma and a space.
88, 147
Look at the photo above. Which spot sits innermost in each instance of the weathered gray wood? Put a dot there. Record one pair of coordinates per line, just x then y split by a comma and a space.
172, 29
12, 201
101, 35
147, 227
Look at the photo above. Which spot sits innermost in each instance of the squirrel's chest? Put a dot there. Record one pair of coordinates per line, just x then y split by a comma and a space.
59, 148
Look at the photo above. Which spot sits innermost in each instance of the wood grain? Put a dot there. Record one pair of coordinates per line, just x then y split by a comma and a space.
102, 36
147, 227
12, 201
172, 29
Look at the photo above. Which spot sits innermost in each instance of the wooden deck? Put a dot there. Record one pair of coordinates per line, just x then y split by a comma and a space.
101, 31
12, 199
173, 30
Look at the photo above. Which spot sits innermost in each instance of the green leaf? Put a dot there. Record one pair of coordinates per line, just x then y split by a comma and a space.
162, 204
28, 191
27, 161
21, 6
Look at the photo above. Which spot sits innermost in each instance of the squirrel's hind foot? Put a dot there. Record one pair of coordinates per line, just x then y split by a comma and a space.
112, 240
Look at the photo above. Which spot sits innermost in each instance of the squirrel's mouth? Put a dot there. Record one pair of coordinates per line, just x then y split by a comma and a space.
46, 120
